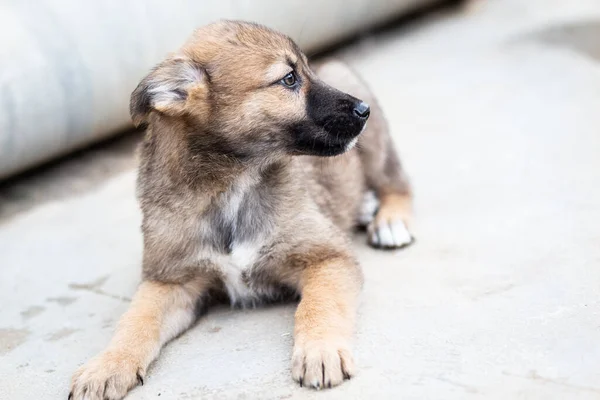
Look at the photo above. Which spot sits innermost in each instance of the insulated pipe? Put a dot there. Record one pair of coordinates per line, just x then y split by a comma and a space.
67, 67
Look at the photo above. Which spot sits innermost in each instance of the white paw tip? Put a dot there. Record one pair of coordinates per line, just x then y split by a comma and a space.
392, 235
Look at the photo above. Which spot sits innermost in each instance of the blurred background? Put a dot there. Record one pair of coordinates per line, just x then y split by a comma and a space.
494, 107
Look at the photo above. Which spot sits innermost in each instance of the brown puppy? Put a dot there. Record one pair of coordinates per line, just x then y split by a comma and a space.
241, 198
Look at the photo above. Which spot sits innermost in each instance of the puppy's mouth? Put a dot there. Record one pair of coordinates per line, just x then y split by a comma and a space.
341, 136
327, 141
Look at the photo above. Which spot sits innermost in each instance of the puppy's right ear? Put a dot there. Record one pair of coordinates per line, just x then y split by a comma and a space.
167, 89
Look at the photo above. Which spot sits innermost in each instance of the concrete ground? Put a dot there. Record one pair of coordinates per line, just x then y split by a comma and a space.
495, 111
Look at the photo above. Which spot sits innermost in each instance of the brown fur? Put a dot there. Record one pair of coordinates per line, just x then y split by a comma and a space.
232, 205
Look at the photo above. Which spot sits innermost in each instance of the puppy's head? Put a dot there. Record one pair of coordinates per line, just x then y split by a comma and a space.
245, 90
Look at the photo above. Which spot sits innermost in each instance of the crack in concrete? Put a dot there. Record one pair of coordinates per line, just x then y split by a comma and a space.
61, 334
467, 388
32, 311
534, 376
62, 300
96, 287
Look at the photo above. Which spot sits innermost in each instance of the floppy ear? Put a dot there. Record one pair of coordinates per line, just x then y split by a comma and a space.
166, 88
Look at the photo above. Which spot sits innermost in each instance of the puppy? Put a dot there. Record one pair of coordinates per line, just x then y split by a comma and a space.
250, 184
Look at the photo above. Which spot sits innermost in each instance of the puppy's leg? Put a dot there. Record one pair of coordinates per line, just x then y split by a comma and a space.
325, 322
388, 227
158, 313
385, 176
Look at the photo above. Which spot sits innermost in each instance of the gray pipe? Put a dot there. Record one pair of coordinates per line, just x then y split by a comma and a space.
67, 67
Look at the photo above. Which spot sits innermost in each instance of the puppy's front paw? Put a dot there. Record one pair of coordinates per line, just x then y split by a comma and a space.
108, 376
388, 230
322, 363
389, 234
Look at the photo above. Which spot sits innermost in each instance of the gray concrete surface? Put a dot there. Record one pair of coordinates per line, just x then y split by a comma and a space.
495, 113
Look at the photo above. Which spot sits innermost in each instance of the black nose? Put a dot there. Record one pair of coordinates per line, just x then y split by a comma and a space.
362, 110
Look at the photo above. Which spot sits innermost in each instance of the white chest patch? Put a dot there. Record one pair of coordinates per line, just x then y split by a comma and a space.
232, 267
242, 257
241, 225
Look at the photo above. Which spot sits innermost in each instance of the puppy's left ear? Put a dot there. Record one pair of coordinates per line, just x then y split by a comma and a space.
167, 88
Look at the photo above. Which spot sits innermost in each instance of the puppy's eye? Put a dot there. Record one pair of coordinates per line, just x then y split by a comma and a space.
289, 80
